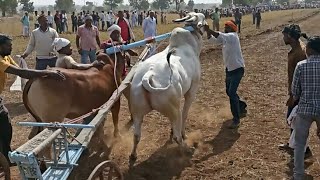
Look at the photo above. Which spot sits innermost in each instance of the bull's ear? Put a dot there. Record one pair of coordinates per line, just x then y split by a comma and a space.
132, 53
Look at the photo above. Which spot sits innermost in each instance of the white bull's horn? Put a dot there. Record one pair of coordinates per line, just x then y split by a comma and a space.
182, 19
193, 19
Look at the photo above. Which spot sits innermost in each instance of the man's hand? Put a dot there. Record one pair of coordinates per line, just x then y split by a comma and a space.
80, 51
206, 27
24, 56
290, 102
57, 75
98, 64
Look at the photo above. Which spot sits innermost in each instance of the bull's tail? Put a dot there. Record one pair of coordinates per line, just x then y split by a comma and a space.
26, 100
147, 78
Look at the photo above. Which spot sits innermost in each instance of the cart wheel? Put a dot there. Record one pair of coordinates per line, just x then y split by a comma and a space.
106, 170
4, 168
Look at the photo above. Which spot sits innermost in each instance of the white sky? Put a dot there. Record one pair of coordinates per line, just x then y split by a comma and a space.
100, 2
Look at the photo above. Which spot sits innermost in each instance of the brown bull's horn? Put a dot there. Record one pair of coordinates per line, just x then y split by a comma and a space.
193, 19
182, 19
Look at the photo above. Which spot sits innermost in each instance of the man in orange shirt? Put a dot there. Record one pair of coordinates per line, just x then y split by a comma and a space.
7, 65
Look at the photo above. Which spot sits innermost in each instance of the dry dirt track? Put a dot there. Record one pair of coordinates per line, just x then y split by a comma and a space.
248, 153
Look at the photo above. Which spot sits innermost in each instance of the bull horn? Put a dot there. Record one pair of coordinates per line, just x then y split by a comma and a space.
193, 19
182, 19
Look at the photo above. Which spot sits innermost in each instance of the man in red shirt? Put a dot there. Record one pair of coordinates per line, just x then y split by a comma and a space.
126, 31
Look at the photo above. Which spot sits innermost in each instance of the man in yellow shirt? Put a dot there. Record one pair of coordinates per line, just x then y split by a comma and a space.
7, 65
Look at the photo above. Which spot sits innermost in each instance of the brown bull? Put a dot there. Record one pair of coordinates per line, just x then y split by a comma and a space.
83, 90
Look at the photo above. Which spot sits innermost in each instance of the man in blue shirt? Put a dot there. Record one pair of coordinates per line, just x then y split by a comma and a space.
26, 24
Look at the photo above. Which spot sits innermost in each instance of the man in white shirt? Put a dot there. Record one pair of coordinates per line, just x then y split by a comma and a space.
50, 19
149, 27
41, 41
103, 19
234, 63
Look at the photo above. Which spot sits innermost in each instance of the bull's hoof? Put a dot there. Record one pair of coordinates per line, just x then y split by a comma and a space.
184, 137
132, 160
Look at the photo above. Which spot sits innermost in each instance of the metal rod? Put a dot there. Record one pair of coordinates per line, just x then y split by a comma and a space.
55, 125
142, 42
66, 145
46, 142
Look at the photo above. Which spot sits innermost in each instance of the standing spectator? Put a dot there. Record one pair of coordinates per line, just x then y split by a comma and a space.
155, 17
80, 19
258, 17
234, 63
291, 36
238, 18
215, 19
8, 66
165, 18
74, 20
110, 19
26, 24
126, 31
64, 20
57, 20
140, 19
36, 22
103, 20
149, 27
95, 19
253, 16
161, 16
88, 35
50, 19
41, 41
133, 19
98, 20
306, 89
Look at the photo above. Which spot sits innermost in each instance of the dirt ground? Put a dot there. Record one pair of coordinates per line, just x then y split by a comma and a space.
250, 152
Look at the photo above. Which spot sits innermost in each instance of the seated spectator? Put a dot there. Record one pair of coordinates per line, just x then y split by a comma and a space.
63, 49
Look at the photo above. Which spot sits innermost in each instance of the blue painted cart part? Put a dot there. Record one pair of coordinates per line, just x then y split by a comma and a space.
63, 170
142, 42
55, 125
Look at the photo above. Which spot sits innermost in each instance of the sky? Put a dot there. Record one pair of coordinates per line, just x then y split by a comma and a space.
100, 2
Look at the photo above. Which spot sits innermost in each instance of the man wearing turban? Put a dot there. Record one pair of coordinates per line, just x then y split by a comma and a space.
63, 49
234, 63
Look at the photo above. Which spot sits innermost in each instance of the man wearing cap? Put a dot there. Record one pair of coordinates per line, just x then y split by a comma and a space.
63, 49
149, 27
41, 41
8, 66
87, 40
234, 63
291, 36
306, 89
115, 39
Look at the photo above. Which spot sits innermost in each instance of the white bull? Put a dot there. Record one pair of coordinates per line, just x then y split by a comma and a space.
161, 81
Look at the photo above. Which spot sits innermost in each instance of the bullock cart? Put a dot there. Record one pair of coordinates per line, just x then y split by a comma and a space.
66, 152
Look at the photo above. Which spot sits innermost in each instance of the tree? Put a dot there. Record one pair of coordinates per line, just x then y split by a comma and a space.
161, 4
190, 5
139, 4
67, 5
112, 3
8, 6
27, 6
